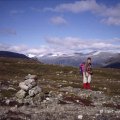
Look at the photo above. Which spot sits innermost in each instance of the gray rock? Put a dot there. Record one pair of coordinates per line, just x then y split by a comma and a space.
11, 88
30, 83
80, 117
69, 89
27, 84
34, 91
28, 100
21, 94
23, 86
38, 98
7, 101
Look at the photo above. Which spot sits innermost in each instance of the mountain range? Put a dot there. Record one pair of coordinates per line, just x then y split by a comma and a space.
99, 59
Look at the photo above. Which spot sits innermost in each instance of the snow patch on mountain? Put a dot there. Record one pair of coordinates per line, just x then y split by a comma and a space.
31, 55
96, 53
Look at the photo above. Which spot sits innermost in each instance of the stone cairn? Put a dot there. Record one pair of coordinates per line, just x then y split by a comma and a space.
29, 87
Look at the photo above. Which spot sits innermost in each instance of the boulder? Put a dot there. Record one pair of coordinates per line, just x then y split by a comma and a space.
27, 84
21, 94
30, 82
38, 98
34, 91
23, 86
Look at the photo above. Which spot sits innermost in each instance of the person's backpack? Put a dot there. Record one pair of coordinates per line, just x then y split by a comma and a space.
82, 67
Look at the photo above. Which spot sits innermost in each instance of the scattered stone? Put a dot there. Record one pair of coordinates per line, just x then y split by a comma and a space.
60, 103
67, 89
11, 88
70, 72
80, 117
101, 111
15, 115
47, 98
7, 102
104, 88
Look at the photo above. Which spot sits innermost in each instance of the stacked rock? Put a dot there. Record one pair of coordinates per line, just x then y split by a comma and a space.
28, 87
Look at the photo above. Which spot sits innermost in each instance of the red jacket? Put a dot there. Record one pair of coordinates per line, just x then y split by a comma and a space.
88, 68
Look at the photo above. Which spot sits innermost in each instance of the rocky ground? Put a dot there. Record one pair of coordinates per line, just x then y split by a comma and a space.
56, 93
65, 103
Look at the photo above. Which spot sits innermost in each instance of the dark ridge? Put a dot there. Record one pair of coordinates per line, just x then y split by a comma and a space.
12, 55
113, 65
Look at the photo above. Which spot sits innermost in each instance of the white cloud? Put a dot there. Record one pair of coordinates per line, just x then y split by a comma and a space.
113, 11
75, 44
102, 45
38, 51
76, 7
111, 21
68, 42
26, 50
65, 45
58, 20
13, 48
109, 14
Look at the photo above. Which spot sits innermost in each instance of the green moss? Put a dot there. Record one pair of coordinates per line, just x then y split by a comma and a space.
8, 93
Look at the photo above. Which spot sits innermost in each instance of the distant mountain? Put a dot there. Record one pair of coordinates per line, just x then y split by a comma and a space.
113, 65
12, 55
113, 62
99, 59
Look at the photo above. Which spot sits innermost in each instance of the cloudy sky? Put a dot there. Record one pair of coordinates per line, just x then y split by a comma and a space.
59, 26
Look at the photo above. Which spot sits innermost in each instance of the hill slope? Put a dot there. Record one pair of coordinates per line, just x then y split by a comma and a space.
12, 55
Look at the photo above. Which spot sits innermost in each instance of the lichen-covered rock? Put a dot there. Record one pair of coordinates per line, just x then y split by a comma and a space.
38, 98
21, 94
34, 91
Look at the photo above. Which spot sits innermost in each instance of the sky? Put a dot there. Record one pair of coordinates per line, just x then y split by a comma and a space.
59, 26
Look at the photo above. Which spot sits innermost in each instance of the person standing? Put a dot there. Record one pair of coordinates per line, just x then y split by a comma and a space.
87, 74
